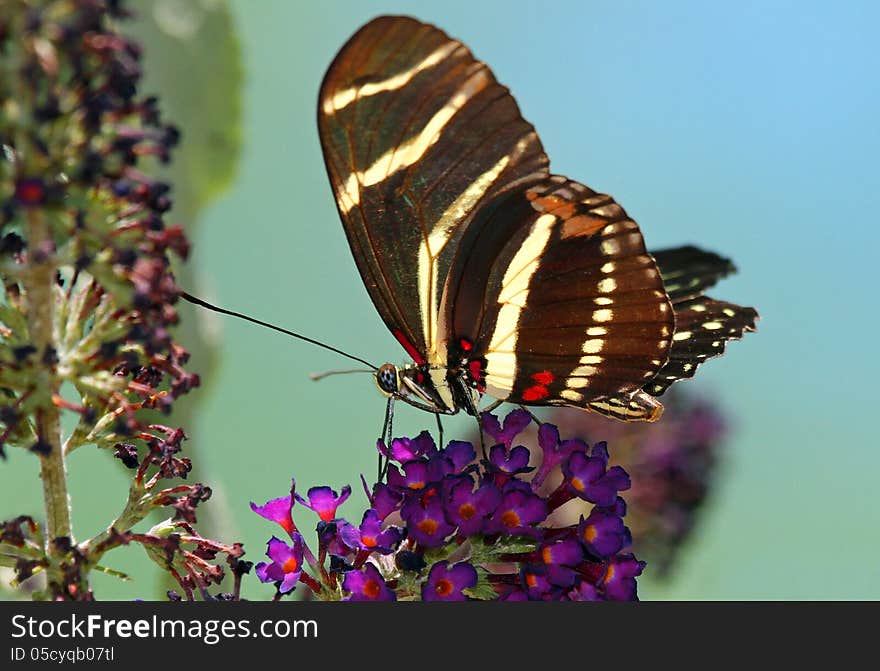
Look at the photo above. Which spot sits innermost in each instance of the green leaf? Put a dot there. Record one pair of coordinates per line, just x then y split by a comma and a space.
483, 590
192, 61
515, 545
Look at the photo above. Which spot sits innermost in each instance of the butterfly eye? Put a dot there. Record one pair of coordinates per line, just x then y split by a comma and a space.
387, 379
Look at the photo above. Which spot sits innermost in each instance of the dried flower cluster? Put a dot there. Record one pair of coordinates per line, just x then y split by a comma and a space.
88, 294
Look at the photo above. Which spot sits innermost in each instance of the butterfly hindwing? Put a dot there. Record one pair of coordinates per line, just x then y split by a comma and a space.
556, 300
702, 329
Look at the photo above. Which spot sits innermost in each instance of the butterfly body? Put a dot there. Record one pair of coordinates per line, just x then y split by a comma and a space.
496, 276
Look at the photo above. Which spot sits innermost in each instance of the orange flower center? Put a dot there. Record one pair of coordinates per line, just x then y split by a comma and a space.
428, 526
509, 518
371, 589
444, 587
590, 533
467, 511
609, 573
290, 565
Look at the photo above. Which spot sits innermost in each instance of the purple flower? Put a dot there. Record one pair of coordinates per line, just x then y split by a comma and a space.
514, 462
286, 565
370, 536
567, 552
279, 510
673, 465
385, 500
408, 449
554, 451
325, 501
416, 476
468, 509
537, 584
516, 514
590, 481
584, 591
619, 580
603, 533
514, 424
425, 521
460, 454
448, 584
367, 585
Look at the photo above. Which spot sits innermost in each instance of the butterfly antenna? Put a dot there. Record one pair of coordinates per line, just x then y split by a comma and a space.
328, 373
204, 304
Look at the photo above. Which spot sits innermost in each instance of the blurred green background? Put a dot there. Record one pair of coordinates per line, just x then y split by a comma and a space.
748, 128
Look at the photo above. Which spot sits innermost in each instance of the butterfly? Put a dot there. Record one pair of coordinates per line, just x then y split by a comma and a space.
496, 276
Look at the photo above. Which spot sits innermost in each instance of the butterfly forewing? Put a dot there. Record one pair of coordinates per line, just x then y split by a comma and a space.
417, 136
688, 271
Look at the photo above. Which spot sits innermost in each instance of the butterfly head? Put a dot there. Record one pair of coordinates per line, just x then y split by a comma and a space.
388, 379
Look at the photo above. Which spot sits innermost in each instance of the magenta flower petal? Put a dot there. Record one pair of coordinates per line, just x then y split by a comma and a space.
286, 565
460, 454
619, 580
554, 451
385, 500
567, 552
325, 501
603, 534
426, 522
448, 584
468, 509
367, 585
517, 513
510, 462
589, 480
279, 510
408, 449
514, 424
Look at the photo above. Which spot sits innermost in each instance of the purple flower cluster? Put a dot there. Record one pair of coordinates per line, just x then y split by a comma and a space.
445, 526
673, 464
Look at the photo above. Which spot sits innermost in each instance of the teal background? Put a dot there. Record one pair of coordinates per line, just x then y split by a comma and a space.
746, 128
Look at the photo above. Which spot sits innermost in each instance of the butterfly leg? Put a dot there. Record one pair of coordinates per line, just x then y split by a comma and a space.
479, 419
439, 430
386, 437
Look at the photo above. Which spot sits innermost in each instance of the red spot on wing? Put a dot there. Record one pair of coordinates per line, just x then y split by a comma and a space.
476, 369
409, 347
535, 393
466, 344
545, 377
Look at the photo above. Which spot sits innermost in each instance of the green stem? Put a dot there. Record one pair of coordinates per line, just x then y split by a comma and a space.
39, 285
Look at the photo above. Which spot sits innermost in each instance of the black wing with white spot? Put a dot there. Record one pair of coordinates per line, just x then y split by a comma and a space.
689, 271
703, 326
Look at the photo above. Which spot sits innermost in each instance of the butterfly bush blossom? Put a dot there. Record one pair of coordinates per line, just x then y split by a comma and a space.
444, 525
674, 464
88, 295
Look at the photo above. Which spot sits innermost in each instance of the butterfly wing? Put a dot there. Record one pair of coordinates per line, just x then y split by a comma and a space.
554, 300
417, 135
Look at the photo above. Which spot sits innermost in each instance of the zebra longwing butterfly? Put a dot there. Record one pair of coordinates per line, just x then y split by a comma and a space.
495, 275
